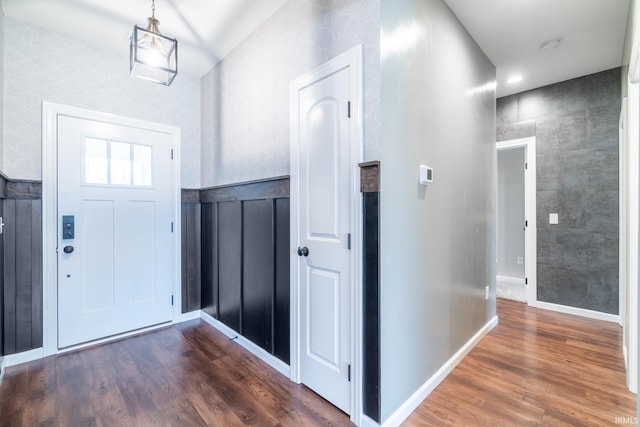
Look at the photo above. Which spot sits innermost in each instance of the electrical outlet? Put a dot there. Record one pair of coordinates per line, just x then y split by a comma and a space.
486, 293
520, 260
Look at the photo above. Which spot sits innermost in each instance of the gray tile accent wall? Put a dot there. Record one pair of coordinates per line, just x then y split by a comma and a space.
576, 128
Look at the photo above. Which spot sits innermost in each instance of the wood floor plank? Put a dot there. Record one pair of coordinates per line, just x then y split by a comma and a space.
536, 368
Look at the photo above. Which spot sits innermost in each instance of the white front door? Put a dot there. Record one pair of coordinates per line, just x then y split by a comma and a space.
324, 166
115, 260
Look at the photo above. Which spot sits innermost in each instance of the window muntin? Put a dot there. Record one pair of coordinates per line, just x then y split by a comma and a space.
117, 163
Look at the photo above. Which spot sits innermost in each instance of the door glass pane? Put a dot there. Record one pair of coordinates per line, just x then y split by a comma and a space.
120, 163
95, 161
141, 165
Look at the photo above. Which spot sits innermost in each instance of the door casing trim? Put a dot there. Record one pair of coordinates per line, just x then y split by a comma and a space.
353, 60
50, 113
531, 232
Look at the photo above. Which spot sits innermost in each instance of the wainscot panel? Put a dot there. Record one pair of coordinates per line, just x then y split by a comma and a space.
370, 188
245, 260
191, 271
21, 265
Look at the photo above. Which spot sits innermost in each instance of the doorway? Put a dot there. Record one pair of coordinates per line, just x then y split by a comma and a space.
326, 147
110, 208
516, 221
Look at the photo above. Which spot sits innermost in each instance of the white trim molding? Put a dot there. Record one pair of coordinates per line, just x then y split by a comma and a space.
416, 399
23, 357
50, 113
591, 314
514, 280
2, 362
254, 349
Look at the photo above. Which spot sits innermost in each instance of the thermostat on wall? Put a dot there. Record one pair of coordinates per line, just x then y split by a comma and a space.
426, 175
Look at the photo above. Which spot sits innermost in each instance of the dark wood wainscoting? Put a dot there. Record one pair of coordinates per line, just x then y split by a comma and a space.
190, 247
245, 260
370, 188
21, 266
235, 259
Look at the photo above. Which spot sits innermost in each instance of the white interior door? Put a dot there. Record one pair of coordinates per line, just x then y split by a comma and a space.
115, 272
324, 165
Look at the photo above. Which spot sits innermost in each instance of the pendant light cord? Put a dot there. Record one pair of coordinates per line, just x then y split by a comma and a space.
153, 9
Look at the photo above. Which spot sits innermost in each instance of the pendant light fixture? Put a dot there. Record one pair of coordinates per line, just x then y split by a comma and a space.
153, 57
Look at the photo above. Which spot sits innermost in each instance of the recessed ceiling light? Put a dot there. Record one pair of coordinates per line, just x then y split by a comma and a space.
514, 79
551, 44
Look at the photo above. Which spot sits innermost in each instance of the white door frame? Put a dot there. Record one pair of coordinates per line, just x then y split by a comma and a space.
530, 235
50, 113
630, 226
352, 59
630, 217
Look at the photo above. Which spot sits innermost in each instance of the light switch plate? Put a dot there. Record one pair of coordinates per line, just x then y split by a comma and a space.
553, 218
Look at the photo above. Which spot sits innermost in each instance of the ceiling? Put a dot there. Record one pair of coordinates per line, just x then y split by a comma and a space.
509, 31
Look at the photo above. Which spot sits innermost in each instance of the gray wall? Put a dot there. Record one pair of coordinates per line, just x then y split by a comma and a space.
437, 244
42, 65
1, 179
245, 98
1, 89
576, 128
511, 212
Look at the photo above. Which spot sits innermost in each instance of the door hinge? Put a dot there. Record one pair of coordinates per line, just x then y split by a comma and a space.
1, 225
349, 241
349, 373
172, 154
171, 299
349, 109
526, 281
526, 223
172, 227
526, 165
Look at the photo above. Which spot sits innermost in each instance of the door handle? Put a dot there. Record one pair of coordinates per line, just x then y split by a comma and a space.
68, 249
304, 251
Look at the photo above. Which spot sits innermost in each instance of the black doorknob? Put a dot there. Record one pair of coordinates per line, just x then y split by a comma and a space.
304, 251
68, 249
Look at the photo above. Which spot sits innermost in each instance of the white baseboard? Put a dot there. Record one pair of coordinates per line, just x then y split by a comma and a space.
416, 399
508, 279
23, 357
257, 351
1, 370
185, 317
598, 315
367, 422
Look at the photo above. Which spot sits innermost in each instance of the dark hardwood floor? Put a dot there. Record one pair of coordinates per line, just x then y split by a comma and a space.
535, 368
185, 375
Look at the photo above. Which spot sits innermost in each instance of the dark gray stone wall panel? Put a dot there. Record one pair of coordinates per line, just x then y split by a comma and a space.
516, 130
577, 141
